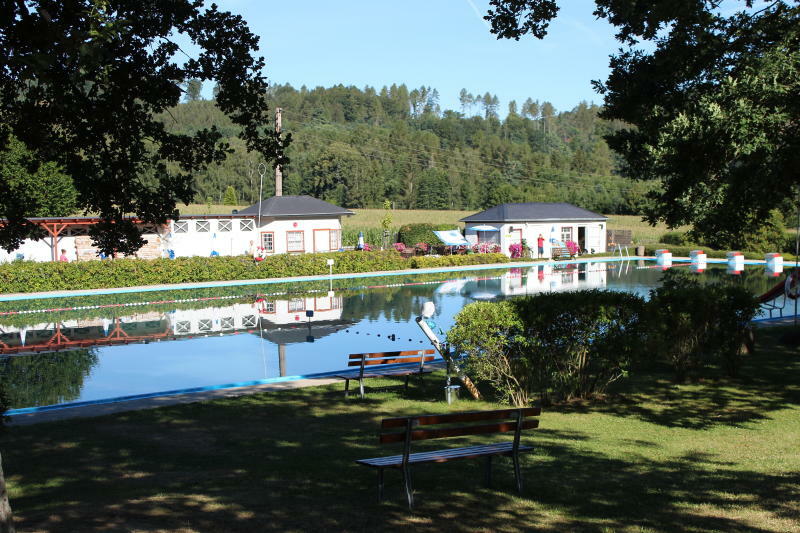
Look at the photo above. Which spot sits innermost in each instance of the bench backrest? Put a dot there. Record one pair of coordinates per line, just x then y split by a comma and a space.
458, 424
391, 358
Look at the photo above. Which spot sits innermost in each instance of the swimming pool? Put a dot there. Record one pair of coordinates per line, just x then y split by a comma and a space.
112, 346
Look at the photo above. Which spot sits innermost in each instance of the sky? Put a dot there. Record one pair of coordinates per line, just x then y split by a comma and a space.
443, 44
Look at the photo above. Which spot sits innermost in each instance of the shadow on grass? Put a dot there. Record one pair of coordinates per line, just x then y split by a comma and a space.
285, 461
769, 381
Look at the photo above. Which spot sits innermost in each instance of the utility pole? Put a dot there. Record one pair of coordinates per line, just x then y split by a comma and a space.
278, 173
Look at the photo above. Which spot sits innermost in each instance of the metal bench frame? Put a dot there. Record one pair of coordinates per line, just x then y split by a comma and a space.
412, 431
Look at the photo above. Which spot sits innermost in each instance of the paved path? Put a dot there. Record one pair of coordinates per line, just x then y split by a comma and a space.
161, 401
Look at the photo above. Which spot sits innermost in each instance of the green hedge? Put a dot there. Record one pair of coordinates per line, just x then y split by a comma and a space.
457, 260
683, 251
31, 276
411, 234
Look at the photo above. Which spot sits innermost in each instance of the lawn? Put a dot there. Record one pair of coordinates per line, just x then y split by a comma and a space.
643, 233
713, 456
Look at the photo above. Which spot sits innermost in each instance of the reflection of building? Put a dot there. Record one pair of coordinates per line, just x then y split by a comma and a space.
284, 319
540, 278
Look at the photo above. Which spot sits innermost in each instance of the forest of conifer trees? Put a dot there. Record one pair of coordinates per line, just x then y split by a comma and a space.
356, 147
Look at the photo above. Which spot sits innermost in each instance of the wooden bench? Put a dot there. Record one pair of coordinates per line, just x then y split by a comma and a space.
500, 421
385, 364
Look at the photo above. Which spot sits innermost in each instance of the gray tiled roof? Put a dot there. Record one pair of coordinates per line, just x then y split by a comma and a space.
534, 212
295, 206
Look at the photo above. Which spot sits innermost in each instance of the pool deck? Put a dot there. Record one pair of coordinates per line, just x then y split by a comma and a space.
101, 409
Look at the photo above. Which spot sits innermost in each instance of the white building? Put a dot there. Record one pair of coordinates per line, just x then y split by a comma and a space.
286, 224
508, 224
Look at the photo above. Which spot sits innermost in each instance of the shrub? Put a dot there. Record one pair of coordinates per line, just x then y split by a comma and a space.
399, 246
691, 323
764, 234
572, 248
573, 344
422, 247
457, 260
488, 336
411, 234
678, 238
581, 341
515, 250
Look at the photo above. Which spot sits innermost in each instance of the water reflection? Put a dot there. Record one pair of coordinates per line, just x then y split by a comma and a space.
50, 359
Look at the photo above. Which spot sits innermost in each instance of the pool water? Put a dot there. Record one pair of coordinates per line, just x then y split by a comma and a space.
103, 352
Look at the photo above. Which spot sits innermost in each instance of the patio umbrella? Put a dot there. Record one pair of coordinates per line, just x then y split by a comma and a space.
483, 228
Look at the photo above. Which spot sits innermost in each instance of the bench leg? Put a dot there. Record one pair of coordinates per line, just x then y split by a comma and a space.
488, 472
407, 376
361, 387
346, 388
517, 473
407, 485
380, 485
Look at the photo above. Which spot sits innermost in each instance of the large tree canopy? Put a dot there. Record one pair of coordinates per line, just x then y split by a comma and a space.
81, 81
713, 104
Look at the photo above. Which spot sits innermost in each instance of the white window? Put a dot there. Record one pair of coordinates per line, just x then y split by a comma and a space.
184, 326
226, 322
268, 307
336, 239
295, 241
223, 225
249, 321
566, 233
297, 304
247, 225
181, 227
202, 226
204, 325
268, 241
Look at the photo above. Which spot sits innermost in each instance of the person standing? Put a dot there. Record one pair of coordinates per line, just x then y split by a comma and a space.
540, 245
63, 257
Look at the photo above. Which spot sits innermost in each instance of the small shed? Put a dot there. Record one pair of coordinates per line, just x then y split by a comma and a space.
508, 224
297, 224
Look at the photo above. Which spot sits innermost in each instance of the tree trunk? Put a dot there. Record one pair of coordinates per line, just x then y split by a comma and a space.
6, 516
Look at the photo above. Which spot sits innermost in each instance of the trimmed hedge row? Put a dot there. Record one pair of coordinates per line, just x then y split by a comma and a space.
457, 260
683, 251
32, 276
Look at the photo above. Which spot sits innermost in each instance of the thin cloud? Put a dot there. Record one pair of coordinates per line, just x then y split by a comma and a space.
478, 13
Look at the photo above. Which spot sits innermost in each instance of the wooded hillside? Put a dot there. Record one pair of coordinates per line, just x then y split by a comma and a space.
357, 147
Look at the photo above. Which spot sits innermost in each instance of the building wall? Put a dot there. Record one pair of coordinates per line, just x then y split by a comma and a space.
311, 235
233, 236
510, 233
195, 237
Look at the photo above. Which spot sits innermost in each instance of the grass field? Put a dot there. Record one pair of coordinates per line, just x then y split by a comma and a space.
716, 455
643, 233
371, 218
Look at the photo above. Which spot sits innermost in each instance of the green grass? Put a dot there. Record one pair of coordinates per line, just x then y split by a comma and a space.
204, 209
363, 219
714, 455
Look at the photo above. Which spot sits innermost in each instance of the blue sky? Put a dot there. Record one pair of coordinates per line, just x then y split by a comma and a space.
439, 43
